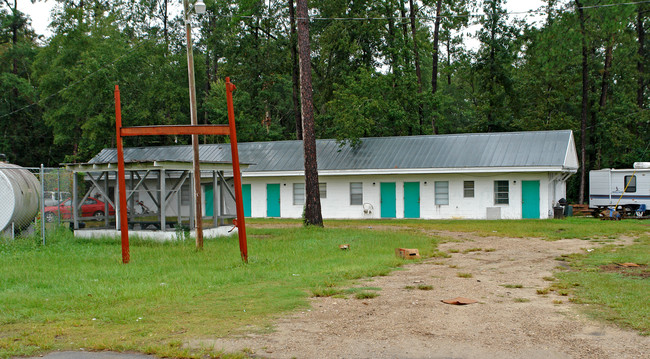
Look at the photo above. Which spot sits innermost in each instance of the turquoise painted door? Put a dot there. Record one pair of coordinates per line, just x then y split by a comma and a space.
209, 200
411, 199
530, 199
273, 200
246, 198
387, 199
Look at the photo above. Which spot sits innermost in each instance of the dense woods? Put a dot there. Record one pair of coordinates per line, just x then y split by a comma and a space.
379, 68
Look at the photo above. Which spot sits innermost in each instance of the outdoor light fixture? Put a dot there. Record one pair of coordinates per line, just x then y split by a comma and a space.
199, 7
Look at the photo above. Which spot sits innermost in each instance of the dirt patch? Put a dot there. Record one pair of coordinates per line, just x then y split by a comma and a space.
641, 271
510, 319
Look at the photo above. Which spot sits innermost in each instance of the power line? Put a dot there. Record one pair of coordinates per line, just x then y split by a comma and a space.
430, 18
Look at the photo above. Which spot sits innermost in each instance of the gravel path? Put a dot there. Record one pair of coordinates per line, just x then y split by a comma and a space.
413, 323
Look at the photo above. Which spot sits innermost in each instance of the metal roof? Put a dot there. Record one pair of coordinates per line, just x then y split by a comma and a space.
511, 149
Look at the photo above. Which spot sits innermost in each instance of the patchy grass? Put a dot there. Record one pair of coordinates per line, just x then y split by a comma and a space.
512, 285
618, 296
366, 295
425, 287
76, 293
521, 300
550, 229
464, 275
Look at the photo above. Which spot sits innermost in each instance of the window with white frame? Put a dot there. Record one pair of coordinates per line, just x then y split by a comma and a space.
356, 193
322, 188
442, 192
468, 189
501, 192
299, 193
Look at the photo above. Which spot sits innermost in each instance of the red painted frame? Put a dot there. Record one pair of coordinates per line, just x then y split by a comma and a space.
228, 130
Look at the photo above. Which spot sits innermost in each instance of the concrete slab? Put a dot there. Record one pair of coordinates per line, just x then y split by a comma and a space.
156, 235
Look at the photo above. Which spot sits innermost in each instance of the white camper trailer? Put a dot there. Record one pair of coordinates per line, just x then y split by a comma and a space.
629, 188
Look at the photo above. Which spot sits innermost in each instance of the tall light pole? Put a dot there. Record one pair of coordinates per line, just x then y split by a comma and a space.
199, 8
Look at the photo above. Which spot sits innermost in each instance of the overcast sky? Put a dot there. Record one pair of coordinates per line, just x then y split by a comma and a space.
40, 11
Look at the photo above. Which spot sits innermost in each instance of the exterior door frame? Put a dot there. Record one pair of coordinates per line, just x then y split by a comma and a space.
388, 199
530, 199
273, 200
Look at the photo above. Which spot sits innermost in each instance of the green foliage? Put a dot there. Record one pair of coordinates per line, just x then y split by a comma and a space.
58, 93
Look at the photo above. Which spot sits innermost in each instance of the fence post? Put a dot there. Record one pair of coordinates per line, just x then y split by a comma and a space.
42, 203
58, 196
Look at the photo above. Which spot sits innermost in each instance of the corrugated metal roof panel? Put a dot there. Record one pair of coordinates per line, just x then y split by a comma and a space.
512, 149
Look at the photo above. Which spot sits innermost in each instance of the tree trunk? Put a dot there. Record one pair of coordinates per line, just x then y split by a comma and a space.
640, 30
604, 87
402, 12
295, 73
165, 16
313, 215
390, 40
585, 104
448, 59
415, 46
434, 70
417, 64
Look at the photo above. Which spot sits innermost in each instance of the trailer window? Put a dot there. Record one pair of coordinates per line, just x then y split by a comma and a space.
630, 182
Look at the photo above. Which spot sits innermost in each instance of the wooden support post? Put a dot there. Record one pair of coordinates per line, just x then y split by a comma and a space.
124, 221
241, 224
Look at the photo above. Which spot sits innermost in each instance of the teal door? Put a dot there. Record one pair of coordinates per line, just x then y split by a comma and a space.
246, 198
411, 199
209, 200
273, 200
387, 199
530, 199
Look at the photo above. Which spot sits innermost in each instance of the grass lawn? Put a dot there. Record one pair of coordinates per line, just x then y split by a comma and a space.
616, 293
550, 229
75, 293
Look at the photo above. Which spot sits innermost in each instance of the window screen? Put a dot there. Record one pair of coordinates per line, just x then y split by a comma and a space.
442, 192
356, 193
501, 192
299, 193
468, 189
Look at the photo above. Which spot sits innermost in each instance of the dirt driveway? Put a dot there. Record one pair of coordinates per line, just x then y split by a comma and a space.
414, 323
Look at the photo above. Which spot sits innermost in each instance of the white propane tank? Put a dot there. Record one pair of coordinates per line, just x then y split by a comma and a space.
20, 192
641, 165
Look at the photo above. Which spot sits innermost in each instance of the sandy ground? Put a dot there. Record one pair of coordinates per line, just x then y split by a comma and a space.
413, 323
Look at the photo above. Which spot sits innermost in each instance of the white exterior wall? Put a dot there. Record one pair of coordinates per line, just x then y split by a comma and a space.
606, 187
337, 202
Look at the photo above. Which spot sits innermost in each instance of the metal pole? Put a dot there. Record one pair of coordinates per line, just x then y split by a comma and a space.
195, 138
43, 203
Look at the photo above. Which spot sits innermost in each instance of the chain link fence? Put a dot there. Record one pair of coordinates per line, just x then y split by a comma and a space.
36, 201
31, 199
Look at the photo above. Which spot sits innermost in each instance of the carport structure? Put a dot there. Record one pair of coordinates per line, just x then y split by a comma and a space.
160, 181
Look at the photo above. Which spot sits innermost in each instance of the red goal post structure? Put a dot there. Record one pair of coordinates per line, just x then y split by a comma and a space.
225, 130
